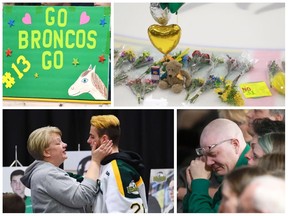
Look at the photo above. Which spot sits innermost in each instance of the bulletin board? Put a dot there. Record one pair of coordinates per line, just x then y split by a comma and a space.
56, 53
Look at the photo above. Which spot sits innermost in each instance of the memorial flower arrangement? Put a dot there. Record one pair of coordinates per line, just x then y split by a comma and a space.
196, 83
125, 56
145, 59
241, 65
226, 89
198, 61
211, 83
141, 87
120, 78
228, 93
276, 77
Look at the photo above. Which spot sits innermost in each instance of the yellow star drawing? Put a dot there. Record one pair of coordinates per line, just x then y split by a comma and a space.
75, 62
36, 75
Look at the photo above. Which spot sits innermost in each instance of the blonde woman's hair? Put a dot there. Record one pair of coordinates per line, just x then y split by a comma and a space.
39, 140
273, 161
237, 116
107, 124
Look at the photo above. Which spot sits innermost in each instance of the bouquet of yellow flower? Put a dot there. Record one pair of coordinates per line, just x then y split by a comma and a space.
125, 56
229, 93
276, 77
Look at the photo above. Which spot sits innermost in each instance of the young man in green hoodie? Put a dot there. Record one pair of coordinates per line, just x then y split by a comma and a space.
222, 149
122, 188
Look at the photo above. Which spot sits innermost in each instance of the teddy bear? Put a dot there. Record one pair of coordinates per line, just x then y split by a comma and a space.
176, 78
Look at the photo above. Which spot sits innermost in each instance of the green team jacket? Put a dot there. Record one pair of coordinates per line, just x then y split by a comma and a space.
199, 200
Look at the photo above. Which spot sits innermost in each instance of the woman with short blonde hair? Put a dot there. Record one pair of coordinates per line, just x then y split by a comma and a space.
272, 162
39, 140
52, 189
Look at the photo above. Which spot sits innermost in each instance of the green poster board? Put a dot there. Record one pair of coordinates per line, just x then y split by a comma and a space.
56, 53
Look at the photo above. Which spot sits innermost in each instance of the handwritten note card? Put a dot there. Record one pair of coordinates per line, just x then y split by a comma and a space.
255, 90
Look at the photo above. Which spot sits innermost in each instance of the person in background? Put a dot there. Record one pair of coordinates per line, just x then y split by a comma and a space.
153, 204
122, 187
272, 114
83, 165
268, 143
222, 149
272, 162
266, 125
13, 203
234, 184
260, 127
52, 189
19, 188
264, 194
170, 208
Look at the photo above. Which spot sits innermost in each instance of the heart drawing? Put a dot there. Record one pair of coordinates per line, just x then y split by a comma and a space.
84, 18
27, 19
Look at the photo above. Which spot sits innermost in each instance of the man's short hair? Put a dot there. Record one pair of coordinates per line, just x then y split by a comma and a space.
16, 173
109, 125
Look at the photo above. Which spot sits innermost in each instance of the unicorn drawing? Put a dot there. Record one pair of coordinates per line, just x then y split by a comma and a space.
89, 82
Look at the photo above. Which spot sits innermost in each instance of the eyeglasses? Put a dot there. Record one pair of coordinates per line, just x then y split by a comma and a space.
204, 151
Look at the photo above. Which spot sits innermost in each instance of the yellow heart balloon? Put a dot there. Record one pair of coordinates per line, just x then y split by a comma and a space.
164, 38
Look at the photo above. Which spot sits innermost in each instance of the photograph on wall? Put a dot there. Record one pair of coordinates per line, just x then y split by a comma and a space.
12, 184
56, 53
161, 191
77, 162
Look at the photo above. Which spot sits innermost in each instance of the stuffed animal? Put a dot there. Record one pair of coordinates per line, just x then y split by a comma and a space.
176, 78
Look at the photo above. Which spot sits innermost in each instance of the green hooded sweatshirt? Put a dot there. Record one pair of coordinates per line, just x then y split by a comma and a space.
199, 200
